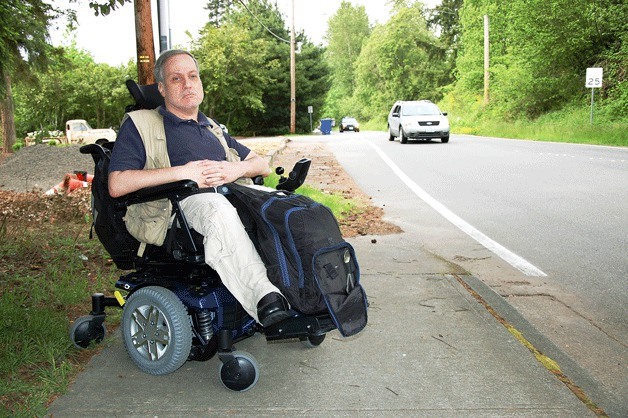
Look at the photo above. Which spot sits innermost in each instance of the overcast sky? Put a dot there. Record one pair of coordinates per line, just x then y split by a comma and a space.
111, 39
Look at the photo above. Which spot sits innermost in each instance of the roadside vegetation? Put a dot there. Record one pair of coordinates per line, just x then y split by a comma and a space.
48, 269
539, 54
569, 125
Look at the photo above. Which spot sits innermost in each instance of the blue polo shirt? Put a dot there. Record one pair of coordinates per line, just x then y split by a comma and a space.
186, 141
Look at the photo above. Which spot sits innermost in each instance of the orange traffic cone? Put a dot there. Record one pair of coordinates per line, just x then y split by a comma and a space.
71, 182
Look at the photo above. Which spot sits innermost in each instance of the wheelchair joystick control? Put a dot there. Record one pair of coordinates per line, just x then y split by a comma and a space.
295, 178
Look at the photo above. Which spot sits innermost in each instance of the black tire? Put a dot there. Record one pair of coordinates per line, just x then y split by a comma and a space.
156, 330
402, 137
86, 330
391, 137
445, 139
241, 373
313, 341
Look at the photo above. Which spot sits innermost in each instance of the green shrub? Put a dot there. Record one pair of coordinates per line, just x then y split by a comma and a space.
18, 145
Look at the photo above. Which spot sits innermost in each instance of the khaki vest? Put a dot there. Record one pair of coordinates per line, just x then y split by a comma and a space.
148, 222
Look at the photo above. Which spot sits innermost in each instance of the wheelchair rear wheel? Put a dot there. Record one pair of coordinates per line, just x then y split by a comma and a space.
156, 330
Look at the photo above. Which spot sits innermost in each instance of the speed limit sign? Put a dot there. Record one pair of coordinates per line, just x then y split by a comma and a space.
593, 81
594, 78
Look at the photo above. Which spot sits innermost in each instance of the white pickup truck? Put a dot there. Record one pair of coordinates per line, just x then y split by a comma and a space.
77, 131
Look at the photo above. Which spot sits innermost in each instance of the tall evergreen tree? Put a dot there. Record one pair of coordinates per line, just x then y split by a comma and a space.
218, 10
445, 21
23, 47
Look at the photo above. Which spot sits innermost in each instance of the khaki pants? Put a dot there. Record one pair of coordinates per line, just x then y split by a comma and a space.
228, 248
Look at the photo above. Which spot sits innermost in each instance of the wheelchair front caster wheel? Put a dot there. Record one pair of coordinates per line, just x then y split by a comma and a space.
238, 371
313, 341
86, 329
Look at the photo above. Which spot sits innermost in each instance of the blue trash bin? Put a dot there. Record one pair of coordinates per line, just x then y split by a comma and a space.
326, 126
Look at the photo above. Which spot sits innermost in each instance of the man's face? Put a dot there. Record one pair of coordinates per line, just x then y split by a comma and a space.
182, 88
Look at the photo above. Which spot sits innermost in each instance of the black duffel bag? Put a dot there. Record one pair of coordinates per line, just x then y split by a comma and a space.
306, 256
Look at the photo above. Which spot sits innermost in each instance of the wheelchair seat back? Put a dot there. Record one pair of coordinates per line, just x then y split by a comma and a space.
145, 96
108, 217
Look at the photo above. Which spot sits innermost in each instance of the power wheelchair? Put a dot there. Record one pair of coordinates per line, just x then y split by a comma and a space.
175, 308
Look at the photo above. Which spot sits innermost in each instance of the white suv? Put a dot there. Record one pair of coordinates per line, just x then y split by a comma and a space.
417, 120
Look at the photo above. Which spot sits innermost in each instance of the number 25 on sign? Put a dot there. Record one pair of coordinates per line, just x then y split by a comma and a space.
593, 81
594, 78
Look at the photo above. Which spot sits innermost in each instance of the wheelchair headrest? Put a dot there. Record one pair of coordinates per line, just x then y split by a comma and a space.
146, 96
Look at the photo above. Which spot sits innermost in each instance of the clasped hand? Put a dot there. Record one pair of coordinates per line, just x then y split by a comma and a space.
208, 173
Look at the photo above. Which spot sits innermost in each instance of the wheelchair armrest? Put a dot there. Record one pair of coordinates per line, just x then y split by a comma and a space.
173, 191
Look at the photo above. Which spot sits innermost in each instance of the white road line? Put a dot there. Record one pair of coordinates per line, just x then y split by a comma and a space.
511, 258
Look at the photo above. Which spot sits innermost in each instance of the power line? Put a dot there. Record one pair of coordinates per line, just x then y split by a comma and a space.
262, 23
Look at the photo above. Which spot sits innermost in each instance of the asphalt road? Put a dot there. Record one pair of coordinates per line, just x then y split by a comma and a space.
559, 210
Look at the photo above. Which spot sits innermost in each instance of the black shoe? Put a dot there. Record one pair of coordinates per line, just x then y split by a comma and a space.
271, 309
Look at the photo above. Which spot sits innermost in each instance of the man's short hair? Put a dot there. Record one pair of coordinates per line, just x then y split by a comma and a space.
164, 57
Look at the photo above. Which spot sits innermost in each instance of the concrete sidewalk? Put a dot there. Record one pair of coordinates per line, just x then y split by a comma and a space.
430, 349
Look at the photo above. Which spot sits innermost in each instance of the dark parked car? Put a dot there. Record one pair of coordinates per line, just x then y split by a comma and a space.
349, 124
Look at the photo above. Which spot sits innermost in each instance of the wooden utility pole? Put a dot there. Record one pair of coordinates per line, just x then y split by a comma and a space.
293, 99
486, 60
144, 41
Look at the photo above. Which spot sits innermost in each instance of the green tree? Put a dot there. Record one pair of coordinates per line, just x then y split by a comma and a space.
444, 19
23, 48
539, 52
265, 21
106, 6
346, 33
231, 62
73, 87
218, 10
246, 71
312, 83
402, 60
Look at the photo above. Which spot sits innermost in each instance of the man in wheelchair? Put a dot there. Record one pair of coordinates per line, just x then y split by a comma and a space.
172, 179
195, 149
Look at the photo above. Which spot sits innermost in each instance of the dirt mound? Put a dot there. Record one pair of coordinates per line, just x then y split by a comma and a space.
40, 167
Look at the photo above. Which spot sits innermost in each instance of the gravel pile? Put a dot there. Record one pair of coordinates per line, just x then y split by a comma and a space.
41, 167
